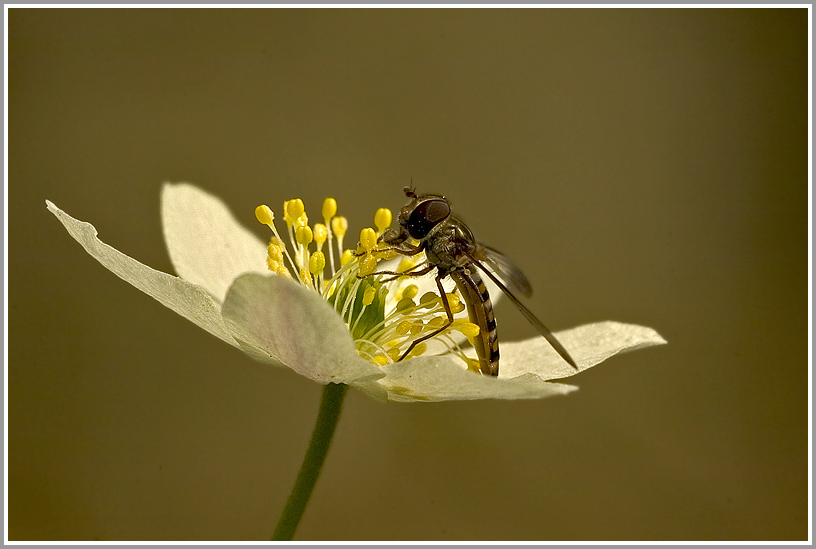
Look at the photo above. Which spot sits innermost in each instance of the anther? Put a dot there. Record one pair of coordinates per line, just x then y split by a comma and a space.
405, 265
455, 303
469, 329
410, 291
368, 296
317, 263
368, 265
436, 322
293, 209
403, 328
405, 303
386, 254
428, 299
382, 219
303, 235
320, 234
394, 354
339, 226
273, 251
368, 239
419, 349
264, 215
347, 256
305, 277
302, 221
329, 209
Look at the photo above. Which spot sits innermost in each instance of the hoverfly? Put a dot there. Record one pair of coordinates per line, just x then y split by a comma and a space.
451, 249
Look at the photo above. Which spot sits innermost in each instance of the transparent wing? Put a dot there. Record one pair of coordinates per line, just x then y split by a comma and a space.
504, 267
528, 314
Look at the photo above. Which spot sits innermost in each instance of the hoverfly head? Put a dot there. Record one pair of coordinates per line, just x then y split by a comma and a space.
423, 214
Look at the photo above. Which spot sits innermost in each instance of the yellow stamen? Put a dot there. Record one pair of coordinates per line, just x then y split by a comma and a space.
329, 209
419, 349
410, 291
302, 221
317, 263
437, 322
382, 219
406, 264
304, 235
264, 215
321, 234
405, 303
386, 254
417, 326
368, 239
347, 256
455, 303
274, 252
469, 329
339, 226
453, 300
368, 296
292, 210
368, 265
394, 354
305, 277
381, 360
428, 299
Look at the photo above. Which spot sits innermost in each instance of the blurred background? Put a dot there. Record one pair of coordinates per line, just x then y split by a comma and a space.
646, 166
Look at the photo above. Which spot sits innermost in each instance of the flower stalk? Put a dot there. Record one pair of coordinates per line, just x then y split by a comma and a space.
331, 403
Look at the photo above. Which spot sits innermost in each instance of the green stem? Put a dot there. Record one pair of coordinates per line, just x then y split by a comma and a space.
330, 405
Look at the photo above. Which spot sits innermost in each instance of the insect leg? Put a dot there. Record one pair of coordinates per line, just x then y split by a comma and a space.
397, 275
407, 250
448, 311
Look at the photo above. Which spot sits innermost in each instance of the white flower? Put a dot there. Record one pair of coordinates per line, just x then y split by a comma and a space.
326, 320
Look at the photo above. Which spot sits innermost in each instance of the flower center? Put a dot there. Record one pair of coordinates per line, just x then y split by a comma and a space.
382, 311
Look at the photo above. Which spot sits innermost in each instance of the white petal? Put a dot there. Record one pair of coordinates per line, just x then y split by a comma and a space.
589, 345
188, 300
432, 379
277, 319
207, 245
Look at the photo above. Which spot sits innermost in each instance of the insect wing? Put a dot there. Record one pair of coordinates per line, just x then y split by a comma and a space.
506, 269
528, 314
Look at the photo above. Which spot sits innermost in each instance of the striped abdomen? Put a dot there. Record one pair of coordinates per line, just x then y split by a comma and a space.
480, 312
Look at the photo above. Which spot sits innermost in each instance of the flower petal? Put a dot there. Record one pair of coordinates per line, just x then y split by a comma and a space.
589, 345
207, 245
278, 320
433, 379
188, 300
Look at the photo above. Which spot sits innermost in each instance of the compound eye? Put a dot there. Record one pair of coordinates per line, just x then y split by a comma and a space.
426, 216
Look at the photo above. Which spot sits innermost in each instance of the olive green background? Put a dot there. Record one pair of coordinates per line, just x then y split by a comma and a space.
647, 166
